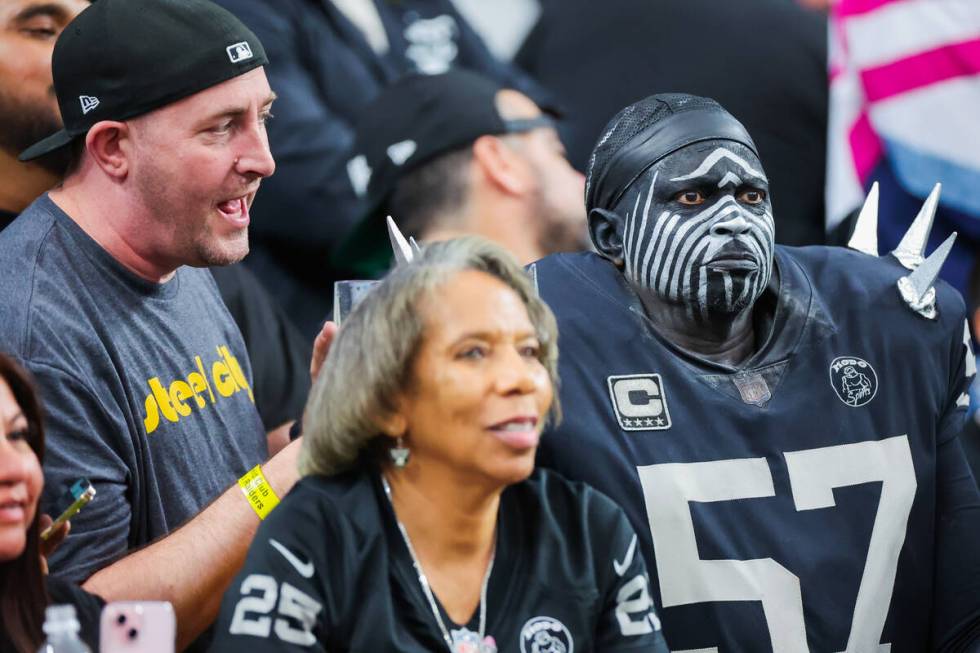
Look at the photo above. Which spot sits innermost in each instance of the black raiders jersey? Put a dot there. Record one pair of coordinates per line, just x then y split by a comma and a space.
814, 499
329, 571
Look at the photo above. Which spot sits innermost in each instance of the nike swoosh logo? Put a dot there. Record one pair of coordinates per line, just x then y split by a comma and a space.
305, 569
621, 567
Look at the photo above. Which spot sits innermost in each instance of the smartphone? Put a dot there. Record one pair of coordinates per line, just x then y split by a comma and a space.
138, 627
77, 497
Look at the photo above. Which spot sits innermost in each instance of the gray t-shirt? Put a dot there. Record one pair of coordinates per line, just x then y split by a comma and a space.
146, 387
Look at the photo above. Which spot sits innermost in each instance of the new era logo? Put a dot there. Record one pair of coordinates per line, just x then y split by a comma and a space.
88, 103
639, 402
239, 52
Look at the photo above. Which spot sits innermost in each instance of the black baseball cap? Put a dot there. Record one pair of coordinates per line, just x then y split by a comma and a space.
120, 59
412, 121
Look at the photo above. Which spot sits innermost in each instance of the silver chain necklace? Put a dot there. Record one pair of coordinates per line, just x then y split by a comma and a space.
462, 640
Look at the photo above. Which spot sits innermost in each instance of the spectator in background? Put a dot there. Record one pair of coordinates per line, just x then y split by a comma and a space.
455, 154
765, 60
24, 589
328, 59
28, 107
143, 371
29, 111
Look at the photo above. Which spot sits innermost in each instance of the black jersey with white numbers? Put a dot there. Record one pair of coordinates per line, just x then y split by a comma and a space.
814, 498
330, 571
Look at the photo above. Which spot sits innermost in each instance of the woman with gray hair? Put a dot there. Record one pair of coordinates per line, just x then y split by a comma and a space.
420, 523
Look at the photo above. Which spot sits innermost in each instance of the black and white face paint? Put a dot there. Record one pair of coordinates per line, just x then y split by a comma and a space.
699, 229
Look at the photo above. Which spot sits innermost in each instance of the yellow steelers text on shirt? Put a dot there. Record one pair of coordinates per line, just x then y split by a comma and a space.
199, 388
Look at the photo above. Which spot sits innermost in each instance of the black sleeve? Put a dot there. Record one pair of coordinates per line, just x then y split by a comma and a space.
88, 607
284, 598
956, 607
628, 620
280, 356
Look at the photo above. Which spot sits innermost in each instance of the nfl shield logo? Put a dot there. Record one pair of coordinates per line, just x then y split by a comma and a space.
639, 402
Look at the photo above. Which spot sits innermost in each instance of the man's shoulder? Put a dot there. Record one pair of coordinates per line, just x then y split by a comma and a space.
32, 258
582, 277
857, 286
24, 239
583, 262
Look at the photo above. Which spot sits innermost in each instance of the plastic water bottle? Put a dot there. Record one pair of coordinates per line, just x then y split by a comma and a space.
61, 627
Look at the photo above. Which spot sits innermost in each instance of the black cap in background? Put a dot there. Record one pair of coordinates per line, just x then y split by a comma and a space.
414, 120
123, 58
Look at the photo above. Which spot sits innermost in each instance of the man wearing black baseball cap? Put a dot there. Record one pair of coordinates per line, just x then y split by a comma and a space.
145, 376
455, 154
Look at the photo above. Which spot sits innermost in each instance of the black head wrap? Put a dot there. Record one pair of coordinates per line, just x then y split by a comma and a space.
647, 131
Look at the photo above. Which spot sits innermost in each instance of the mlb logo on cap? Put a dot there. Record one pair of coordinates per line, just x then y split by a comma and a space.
239, 51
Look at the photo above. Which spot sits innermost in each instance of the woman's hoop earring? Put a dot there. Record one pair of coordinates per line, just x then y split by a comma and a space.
399, 453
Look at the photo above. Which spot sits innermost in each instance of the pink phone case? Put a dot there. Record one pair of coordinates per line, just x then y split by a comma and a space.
138, 627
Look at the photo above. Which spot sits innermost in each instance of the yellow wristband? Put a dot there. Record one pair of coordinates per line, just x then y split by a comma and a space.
258, 492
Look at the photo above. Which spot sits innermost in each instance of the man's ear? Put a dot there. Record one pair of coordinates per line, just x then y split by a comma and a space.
501, 165
108, 144
606, 229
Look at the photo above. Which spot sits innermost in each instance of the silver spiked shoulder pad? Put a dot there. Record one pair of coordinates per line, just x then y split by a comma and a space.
401, 248
865, 236
917, 288
911, 249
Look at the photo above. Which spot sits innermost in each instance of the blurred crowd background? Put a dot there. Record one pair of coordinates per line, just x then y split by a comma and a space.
478, 117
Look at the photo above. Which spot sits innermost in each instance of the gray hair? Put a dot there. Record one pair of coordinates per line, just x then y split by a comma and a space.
370, 359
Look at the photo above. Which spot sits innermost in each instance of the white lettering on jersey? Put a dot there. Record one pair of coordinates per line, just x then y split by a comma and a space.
633, 598
293, 603
814, 474
262, 604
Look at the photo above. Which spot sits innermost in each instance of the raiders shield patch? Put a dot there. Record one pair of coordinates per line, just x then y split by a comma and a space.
639, 402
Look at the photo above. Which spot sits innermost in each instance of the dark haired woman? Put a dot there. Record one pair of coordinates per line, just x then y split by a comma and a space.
24, 589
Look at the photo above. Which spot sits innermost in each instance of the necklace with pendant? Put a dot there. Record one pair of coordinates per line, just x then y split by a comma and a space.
461, 640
